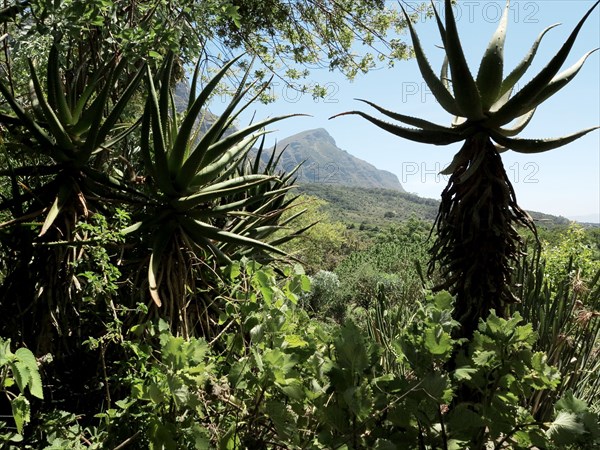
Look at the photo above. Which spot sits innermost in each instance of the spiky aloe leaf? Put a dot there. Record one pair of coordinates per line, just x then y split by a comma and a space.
229, 187
437, 87
161, 239
440, 24
38, 132
413, 134
501, 101
558, 82
444, 73
115, 113
218, 235
64, 193
96, 112
157, 163
489, 77
56, 94
56, 127
197, 158
532, 89
466, 92
511, 80
91, 86
238, 151
458, 160
537, 145
194, 108
414, 121
195, 162
519, 126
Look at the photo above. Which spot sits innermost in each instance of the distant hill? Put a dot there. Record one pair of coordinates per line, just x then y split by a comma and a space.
371, 207
324, 163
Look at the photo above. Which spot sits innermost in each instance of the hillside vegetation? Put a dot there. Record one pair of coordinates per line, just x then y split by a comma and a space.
371, 207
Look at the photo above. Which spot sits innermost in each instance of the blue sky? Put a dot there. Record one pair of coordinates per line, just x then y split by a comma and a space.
565, 181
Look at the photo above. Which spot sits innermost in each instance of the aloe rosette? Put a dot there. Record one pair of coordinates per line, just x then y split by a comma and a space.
477, 241
68, 124
204, 206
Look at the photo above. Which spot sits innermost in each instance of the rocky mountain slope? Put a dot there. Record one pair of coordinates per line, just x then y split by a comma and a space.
325, 163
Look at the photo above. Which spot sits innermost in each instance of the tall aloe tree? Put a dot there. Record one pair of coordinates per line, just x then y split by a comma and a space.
476, 240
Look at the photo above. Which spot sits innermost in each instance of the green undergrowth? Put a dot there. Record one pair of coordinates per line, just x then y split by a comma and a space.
275, 378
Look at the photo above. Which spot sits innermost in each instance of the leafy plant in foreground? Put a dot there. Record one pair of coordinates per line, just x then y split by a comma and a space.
477, 242
18, 369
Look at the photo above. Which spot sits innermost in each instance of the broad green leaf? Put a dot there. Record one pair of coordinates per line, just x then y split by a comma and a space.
21, 411
294, 341
569, 403
27, 359
162, 437
443, 300
464, 373
359, 400
293, 389
565, 429
437, 341
483, 358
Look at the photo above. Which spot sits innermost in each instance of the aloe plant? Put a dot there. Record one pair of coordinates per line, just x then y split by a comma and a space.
67, 126
204, 206
477, 241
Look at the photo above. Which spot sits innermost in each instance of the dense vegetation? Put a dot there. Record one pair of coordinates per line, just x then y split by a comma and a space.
163, 289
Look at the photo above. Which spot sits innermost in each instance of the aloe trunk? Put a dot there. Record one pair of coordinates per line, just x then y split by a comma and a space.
477, 241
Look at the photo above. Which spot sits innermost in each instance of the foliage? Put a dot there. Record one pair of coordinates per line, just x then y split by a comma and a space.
20, 370
477, 242
354, 205
330, 32
324, 241
563, 305
575, 249
388, 268
222, 353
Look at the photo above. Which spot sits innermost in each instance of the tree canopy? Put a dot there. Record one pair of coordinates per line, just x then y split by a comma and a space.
288, 38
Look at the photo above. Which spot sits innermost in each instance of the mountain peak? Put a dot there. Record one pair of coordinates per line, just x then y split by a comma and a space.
323, 162
319, 135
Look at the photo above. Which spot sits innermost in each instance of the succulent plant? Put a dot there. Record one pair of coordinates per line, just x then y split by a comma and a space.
68, 125
207, 206
477, 242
